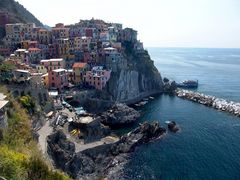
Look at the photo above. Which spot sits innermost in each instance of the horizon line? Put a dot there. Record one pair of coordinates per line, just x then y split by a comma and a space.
189, 47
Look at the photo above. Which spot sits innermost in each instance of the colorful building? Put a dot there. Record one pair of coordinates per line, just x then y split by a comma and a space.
82, 43
22, 55
21, 75
44, 36
45, 80
97, 77
60, 32
52, 64
58, 78
15, 33
129, 35
35, 55
41, 69
79, 70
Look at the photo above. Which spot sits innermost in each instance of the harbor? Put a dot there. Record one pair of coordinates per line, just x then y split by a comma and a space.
210, 101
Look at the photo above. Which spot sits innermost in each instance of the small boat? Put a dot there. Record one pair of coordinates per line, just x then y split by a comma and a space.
151, 97
143, 103
188, 84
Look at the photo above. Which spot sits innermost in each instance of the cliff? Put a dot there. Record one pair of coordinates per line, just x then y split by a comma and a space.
136, 78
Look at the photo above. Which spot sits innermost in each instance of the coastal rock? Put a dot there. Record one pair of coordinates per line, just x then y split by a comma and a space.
169, 87
119, 115
210, 101
142, 134
60, 149
172, 126
92, 131
138, 78
102, 160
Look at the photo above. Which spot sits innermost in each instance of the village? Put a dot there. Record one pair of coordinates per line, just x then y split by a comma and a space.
53, 65
80, 54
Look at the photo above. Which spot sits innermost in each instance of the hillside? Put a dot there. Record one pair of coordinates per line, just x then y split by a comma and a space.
18, 13
19, 154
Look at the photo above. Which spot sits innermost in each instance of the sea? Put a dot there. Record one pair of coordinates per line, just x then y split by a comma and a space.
208, 145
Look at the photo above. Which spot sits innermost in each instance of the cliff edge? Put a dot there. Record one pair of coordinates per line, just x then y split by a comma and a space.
135, 77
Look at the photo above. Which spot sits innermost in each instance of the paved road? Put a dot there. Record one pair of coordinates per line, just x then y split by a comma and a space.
43, 133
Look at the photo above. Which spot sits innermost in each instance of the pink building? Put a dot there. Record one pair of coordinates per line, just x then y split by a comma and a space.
97, 77
58, 78
52, 64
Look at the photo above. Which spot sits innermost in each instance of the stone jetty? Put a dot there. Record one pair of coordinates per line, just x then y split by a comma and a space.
211, 101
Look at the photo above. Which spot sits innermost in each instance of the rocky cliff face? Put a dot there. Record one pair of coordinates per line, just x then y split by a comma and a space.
136, 79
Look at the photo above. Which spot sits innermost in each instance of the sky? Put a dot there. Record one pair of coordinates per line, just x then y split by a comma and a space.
160, 23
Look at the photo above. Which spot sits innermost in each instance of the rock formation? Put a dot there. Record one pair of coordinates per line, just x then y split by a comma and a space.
101, 160
137, 78
119, 115
210, 101
172, 126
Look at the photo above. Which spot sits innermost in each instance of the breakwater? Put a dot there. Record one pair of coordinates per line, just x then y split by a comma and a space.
211, 101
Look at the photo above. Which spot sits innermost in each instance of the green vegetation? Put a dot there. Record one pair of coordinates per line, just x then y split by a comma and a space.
27, 102
4, 67
6, 72
19, 154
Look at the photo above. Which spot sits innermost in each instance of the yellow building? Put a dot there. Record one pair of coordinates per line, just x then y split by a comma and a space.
44, 36
45, 80
41, 69
79, 70
63, 47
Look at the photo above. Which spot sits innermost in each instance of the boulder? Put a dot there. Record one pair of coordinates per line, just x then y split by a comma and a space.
172, 126
119, 115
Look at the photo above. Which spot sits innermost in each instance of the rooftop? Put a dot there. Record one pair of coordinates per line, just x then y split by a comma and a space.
44, 75
52, 60
23, 71
97, 68
110, 49
34, 49
20, 50
79, 65
3, 103
2, 96
59, 70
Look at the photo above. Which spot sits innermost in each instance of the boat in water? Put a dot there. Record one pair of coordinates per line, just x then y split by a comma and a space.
188, 84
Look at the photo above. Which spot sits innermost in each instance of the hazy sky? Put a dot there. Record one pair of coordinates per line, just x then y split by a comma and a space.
164, 23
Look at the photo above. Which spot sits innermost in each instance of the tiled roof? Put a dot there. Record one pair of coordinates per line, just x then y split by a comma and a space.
34, 49
79, 65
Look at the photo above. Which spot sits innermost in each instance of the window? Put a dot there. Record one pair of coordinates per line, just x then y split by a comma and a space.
53, 78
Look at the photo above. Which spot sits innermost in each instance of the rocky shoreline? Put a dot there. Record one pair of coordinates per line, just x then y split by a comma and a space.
210, 101
103, 161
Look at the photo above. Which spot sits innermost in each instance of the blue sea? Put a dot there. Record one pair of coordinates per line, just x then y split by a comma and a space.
208, 146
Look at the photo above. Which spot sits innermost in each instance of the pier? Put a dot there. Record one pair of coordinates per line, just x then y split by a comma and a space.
210, 101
